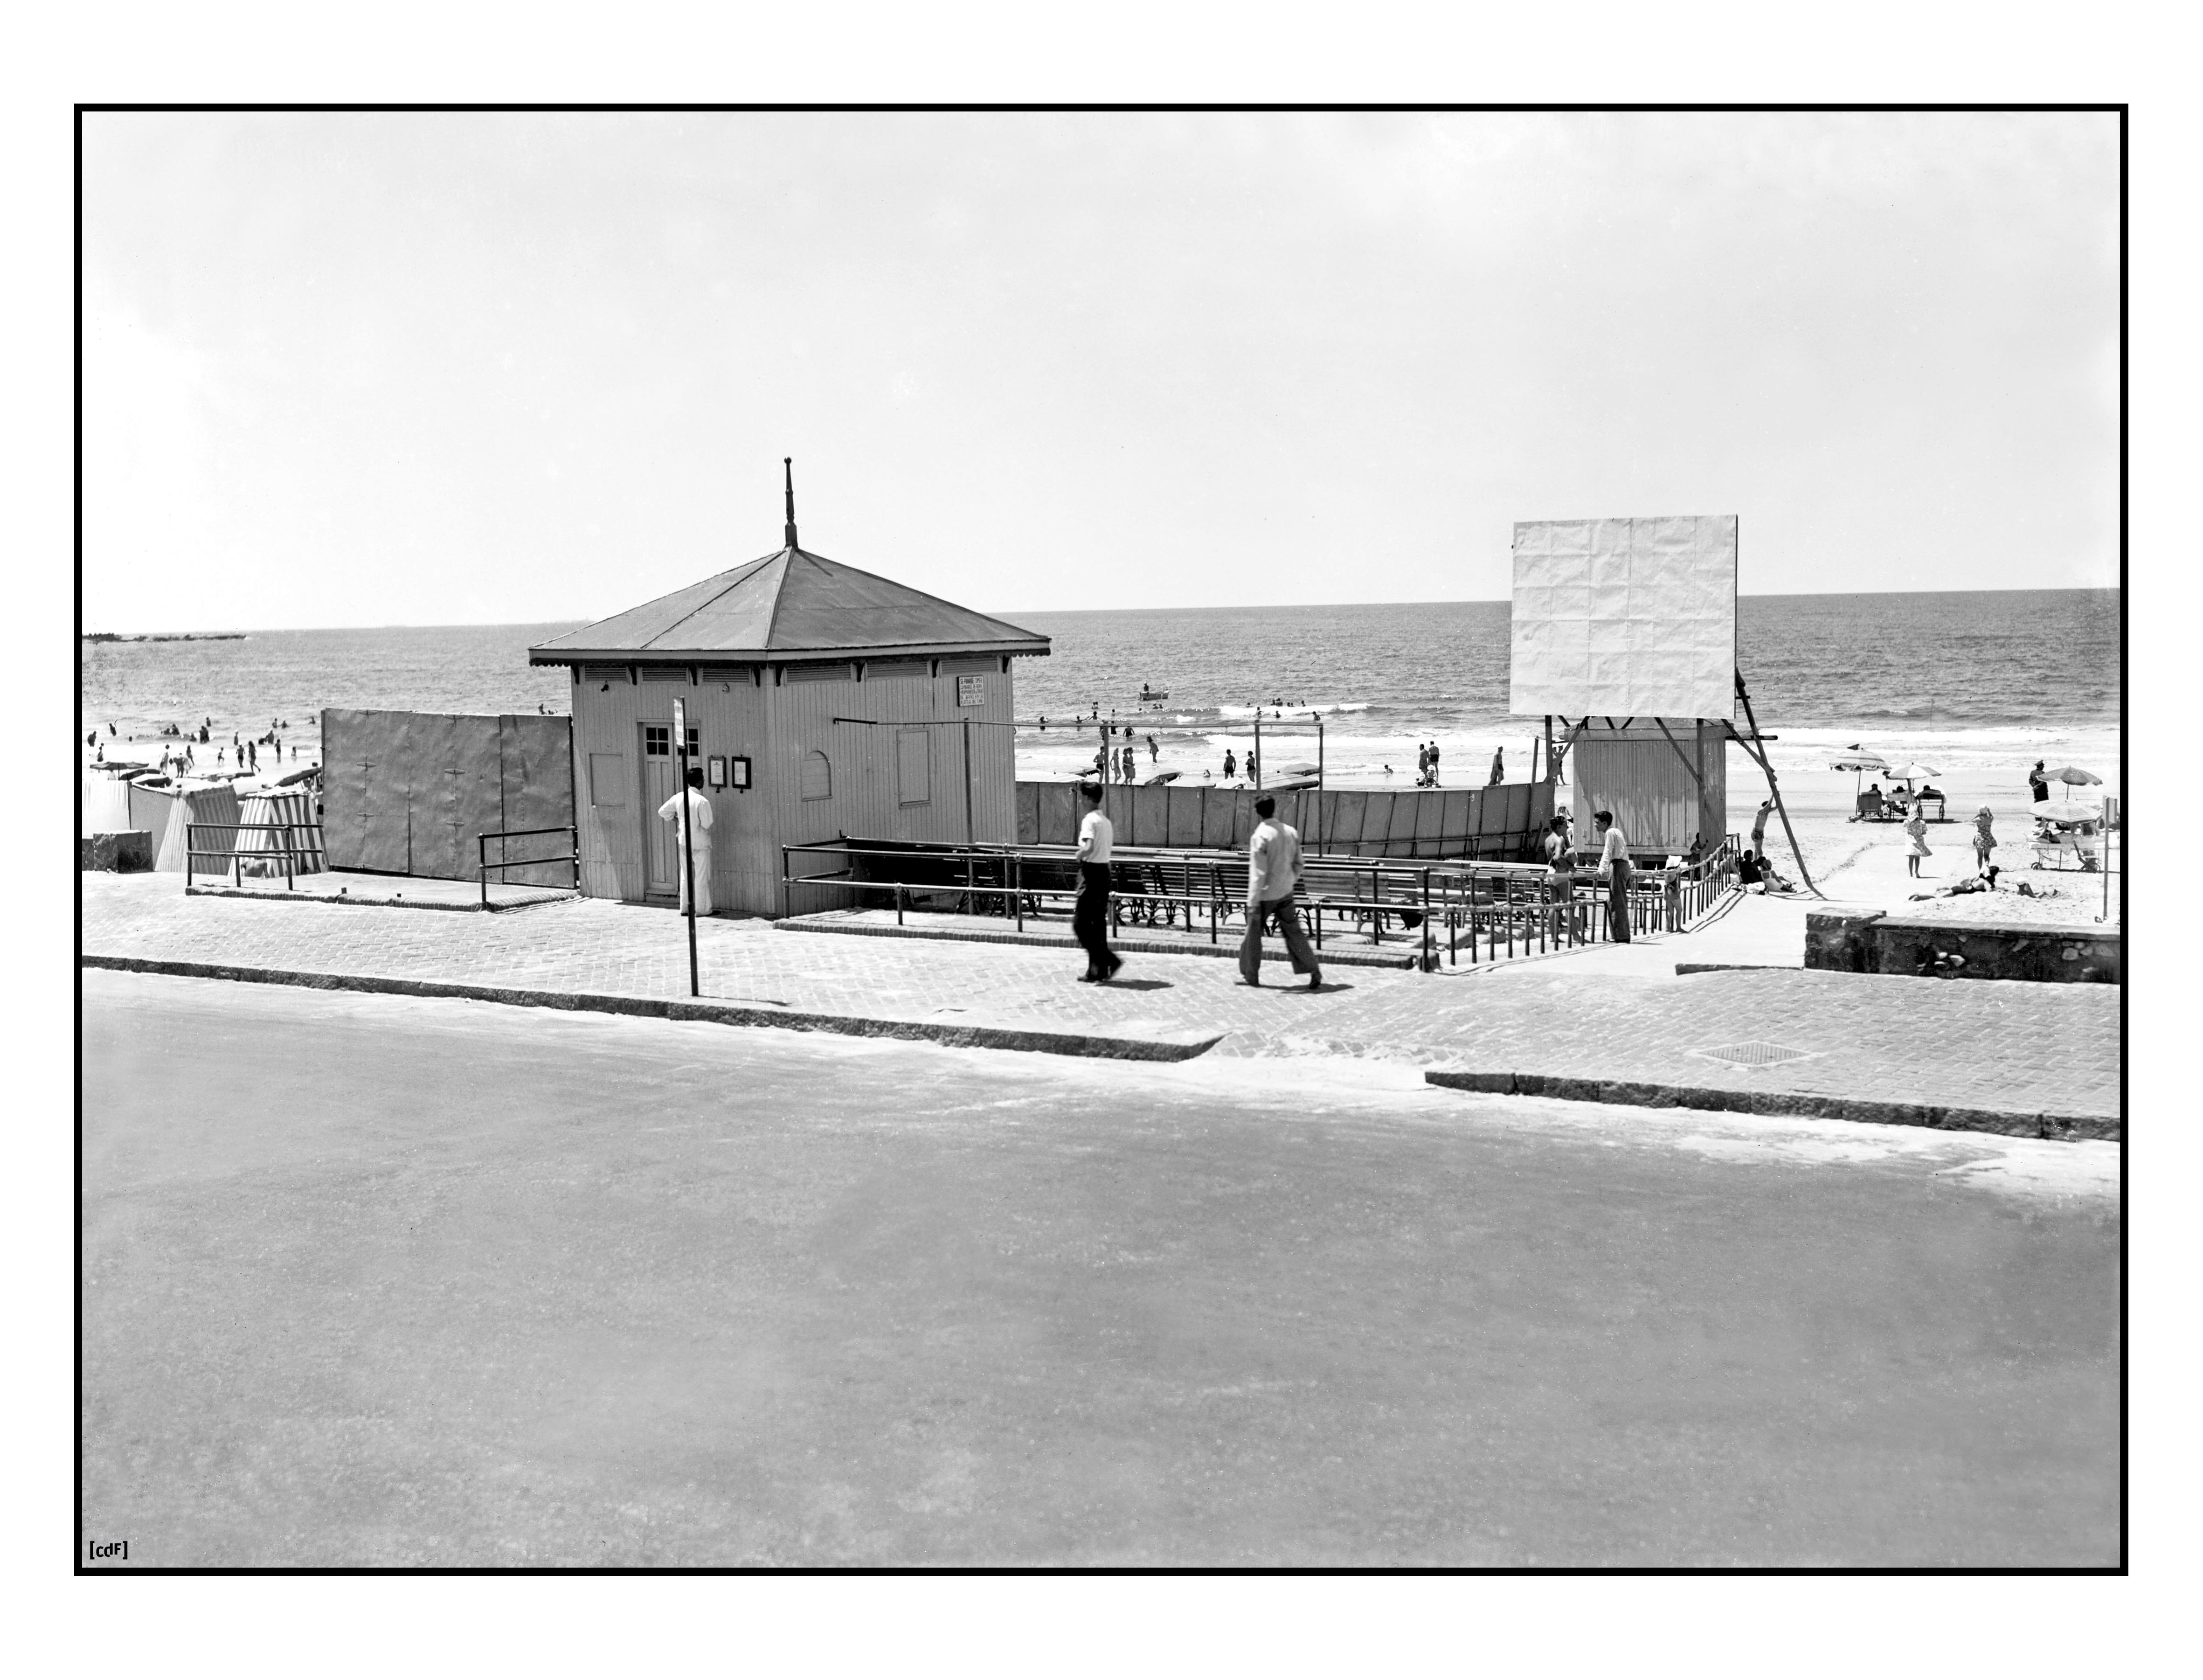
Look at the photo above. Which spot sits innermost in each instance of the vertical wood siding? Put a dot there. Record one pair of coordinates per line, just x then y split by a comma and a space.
1636, 774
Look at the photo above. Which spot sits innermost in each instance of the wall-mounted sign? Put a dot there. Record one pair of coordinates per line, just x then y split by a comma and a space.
971, 690
717, 773
738, 772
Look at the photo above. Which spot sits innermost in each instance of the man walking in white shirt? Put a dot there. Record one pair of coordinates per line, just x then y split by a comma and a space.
1089, 922
1614, 869
1273, 875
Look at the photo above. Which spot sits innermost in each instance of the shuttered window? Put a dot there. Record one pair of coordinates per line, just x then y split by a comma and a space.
817, 776
841, 671
666, 673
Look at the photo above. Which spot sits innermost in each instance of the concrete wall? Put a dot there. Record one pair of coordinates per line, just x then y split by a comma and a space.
1873, 943
898, 775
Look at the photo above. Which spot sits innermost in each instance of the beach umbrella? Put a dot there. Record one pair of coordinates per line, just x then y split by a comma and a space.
1858, 763
2065, 815
1916, 772
2073, 776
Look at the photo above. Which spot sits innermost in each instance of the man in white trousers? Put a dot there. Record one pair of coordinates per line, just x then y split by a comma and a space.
700, 823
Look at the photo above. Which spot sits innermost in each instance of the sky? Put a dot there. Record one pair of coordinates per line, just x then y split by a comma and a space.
360, 369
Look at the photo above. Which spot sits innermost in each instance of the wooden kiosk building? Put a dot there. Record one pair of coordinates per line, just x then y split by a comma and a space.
822, 702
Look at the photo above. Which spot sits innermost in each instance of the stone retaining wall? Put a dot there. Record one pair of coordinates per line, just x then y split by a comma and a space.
123, 852
1877, 943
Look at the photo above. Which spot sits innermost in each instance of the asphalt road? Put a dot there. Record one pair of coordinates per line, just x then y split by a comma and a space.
381, 1281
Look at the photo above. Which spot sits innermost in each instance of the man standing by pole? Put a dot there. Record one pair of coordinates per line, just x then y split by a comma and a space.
1089, 922
691, 810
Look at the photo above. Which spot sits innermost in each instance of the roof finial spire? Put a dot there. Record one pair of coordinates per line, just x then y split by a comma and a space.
788, 465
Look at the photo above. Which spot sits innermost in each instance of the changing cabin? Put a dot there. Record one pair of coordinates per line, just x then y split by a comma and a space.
823, 702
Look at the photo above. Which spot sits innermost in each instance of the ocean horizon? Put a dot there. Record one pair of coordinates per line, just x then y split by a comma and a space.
1986, 671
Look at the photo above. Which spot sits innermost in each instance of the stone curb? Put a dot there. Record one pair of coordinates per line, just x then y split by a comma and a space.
2007, 1123
670, 1008
369, 901
1065, 942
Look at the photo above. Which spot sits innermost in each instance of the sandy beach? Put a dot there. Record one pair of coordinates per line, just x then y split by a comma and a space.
1853, 862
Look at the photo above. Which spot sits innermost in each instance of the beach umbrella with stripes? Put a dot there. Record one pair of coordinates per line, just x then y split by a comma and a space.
1858, 763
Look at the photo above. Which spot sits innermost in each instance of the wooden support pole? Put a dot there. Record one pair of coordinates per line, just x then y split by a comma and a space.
1744, 695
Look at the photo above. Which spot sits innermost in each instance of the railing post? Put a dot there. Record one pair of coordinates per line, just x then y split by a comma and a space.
191, 843
1428, 965
1018, 887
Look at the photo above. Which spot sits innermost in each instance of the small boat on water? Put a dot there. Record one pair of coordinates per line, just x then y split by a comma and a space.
1147, 692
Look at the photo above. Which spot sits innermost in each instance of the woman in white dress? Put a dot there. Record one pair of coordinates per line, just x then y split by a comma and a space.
1916, 845
699, 841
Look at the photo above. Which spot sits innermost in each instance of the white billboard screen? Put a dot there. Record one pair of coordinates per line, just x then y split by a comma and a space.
1625, 618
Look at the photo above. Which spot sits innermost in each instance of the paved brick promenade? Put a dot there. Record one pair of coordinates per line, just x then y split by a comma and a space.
1969, 1046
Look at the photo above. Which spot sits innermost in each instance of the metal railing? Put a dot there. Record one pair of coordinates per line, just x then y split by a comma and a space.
571, 856
1490, 912
290, 852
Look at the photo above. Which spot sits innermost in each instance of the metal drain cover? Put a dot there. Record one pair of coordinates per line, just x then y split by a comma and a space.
1755, 1053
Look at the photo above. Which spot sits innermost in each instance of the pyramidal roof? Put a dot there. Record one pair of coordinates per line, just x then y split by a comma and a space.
789, 604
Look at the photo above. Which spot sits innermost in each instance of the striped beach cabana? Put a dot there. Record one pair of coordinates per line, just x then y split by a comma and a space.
822, 700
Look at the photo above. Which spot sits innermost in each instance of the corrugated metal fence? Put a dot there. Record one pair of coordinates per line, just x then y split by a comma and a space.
1500, 823
406, 793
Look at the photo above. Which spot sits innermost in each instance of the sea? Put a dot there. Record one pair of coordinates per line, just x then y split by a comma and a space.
1964, 674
